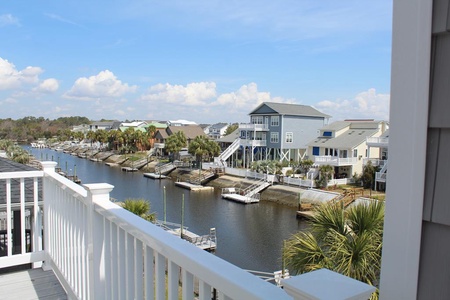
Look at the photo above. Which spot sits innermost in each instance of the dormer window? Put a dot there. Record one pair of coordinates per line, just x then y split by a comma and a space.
327, 134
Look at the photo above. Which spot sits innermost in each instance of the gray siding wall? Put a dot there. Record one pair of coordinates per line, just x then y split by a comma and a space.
434, 270
305, 129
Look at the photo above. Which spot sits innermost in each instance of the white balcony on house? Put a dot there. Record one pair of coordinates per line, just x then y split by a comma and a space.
253, 143
375, 162
335, 160
254, 127
381, 142
98, 250
159, 145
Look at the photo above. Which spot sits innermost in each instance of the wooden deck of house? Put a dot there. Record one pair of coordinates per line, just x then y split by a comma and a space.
31, 284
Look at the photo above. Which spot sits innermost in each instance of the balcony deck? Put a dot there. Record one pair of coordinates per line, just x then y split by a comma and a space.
31, 284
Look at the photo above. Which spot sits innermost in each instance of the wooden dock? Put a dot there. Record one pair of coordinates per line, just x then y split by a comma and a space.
240, 198
154, 176
206, 242
128, 169
194, 187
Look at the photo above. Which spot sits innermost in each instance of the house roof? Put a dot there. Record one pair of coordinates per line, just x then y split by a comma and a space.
229, 138
289, 109
219, 125
190, 131
183, 122
108, 123
7, 165
347, 140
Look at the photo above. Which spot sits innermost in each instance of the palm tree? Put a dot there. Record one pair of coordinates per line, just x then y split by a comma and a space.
345, 241
325, 174
151, 130
203, 148
175, 142
139, 207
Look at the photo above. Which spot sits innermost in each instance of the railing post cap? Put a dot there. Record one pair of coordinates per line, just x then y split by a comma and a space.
326, 284
98, 188
48, 165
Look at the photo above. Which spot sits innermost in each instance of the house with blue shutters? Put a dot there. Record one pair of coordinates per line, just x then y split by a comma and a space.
277, 131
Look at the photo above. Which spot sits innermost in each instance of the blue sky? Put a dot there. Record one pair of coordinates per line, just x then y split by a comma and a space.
204, 61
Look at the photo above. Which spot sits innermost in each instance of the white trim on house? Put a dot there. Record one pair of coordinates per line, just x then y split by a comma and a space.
410, 78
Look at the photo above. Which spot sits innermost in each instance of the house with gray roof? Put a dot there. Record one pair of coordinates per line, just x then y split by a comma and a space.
216, 131
277, 131
343, 145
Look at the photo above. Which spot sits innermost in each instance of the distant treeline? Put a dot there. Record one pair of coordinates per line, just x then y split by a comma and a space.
31, 128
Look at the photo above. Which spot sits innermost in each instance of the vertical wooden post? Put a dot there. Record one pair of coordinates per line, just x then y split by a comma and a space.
96, 239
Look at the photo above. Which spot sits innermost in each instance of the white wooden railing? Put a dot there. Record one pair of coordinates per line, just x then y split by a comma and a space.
334, 160
377, 141
98, 250
255, 127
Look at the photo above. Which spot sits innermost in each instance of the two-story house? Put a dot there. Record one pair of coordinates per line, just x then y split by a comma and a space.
277, 131
217, 131
342, 144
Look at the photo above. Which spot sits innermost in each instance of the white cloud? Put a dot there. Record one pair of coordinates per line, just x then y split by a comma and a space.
11, 78
366, 105
61, 19
8, 19
196, 93
103, 85
50, 85
247, 96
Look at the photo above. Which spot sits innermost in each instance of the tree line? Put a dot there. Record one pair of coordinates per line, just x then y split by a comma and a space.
31, 128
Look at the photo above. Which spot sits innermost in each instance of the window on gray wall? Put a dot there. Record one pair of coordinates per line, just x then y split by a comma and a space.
274, 137
275, 120
289, 137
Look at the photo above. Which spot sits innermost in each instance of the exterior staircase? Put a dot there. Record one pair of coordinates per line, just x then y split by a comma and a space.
381, 176
202, 177
228, 152
256, 188
165, 169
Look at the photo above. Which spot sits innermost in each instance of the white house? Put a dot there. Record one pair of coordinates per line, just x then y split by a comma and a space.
342, 144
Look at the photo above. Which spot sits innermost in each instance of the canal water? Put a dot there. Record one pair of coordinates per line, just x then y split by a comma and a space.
250, 236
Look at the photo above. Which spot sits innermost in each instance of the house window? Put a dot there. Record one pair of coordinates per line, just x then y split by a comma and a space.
327, 133
355, 152
257, 120
316, 150
289, 137
274, 137
326, 151
275, 120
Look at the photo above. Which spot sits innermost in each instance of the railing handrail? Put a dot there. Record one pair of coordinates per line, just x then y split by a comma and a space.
224, 276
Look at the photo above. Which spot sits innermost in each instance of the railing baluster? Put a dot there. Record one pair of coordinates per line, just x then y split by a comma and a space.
115, 263
130, 265
23, 230
204, 291
188, 285
122, 258
173, 279
139, 267
160, 276
149, 273
8, 216
108, 259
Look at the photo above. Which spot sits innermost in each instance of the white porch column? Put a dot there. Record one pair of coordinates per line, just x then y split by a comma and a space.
96, 239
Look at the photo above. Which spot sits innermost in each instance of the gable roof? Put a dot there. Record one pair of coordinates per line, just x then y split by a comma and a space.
190, 131
288, 109
230, 137
219, 125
